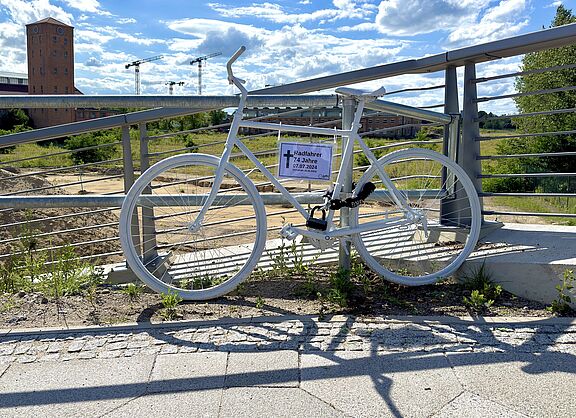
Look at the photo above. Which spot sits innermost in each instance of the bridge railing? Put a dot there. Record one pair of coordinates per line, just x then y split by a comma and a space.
50, 201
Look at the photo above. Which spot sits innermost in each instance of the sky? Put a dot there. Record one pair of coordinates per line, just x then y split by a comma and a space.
286, 40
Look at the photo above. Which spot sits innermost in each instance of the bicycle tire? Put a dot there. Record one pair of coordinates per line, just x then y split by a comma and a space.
451, 208
170, 257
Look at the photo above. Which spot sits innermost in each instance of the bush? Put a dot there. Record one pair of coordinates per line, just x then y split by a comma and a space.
92, 155
188, 141
10, 119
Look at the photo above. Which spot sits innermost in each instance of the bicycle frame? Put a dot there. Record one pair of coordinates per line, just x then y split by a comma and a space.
352, 134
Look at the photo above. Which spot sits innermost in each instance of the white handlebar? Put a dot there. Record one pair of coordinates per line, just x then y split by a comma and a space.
231, 61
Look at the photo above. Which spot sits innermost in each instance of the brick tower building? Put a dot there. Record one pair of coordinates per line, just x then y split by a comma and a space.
50, 67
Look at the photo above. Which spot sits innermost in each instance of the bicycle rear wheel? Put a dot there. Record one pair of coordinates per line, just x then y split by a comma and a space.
446, 203
169, 255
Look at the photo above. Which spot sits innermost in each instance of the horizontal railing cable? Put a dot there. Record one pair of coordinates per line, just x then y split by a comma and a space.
525, 135
528, 93
521, 73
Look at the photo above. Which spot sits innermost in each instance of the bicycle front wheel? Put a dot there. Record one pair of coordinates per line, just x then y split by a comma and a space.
433, 239
167, 252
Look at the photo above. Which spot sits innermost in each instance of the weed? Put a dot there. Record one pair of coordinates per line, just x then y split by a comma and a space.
341, 288
279, 259
301, 266
477, 301
481, 281
203, 282
8, 304
96, 278
309, 289
170, 302
260, 302
67, 275
133, 291
561, 305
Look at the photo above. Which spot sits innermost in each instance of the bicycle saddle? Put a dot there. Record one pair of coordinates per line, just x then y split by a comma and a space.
361, 94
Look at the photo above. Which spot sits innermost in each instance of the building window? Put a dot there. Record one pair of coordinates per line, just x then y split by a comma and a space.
41, 89
40, 52
65, 41
55, 89
54, 53
33, 89
55, 71
54, 39
66, 71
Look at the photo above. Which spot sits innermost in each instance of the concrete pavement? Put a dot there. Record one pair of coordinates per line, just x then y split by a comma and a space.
295, 367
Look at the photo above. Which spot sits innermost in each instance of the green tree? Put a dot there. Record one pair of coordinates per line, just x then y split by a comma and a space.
546, 123
217, 117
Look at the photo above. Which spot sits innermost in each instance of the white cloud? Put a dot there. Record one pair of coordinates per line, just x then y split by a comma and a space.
288, 54
24, 12
104, 34
414, 17
555, 4
200, 27
125, 20
87, 6
502, 21
349, 9
93, 62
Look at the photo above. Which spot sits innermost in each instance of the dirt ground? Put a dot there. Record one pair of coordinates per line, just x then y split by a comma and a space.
276, 294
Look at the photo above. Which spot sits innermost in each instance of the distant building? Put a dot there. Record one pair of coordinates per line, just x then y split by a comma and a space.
382, 125
50, 67
13, 83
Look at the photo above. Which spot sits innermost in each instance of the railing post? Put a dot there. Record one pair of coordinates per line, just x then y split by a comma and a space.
348, 107
469, 149
451, 106
449, 209
149, 246
128, 166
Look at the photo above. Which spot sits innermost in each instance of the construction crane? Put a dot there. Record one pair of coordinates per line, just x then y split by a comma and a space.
171, 85
199, 61
136, 65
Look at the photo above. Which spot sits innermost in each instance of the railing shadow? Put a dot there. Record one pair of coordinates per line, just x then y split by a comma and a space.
405, 347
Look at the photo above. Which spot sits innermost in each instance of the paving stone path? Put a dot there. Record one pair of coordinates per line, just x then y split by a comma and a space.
301, 334
294, 366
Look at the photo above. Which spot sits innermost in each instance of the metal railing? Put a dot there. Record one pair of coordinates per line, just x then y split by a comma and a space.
63, 214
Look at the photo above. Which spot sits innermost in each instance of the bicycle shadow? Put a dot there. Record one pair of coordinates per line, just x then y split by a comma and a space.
391, 354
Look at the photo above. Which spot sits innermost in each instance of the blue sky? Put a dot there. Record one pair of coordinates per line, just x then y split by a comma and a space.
287, 40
